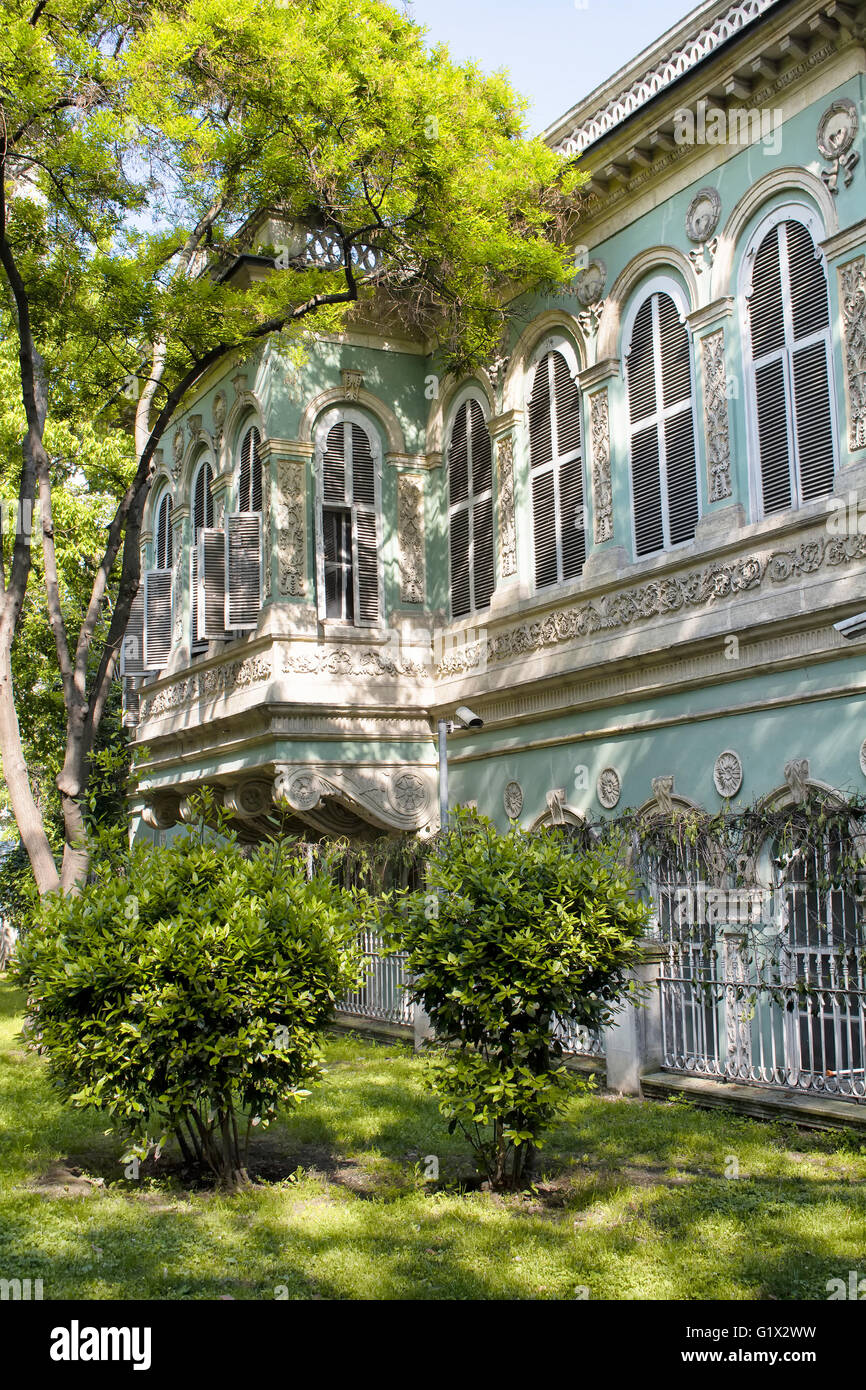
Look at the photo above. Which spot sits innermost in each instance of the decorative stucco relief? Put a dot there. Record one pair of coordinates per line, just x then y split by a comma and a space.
602, 496
292, 528
716, 429
347, 661
852, 296
507, 525
728, 773
678, 593
401, 798
512, 800
177, 581
219, 680
410, 537
267, 577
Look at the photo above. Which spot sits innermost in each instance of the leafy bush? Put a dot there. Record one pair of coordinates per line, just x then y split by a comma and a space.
513, 930
186, 989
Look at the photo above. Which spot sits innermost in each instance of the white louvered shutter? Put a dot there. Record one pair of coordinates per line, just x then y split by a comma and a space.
481, 462
557, 472
243, 572
202, 519
157, 618
132, 646
789, 338
211, 565
364, 527
458, 490
661, 411
470, 495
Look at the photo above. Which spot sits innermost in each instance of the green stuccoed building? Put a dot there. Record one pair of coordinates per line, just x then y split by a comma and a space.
626, 546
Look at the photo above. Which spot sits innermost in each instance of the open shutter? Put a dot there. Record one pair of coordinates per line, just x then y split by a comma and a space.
211, 597
157, 619
243, 570
364, 526
132, 646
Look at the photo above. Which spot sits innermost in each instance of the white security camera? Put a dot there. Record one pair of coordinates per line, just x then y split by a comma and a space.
852, 628
464, 715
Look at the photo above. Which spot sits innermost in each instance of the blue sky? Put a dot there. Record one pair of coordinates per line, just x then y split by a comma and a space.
556, 52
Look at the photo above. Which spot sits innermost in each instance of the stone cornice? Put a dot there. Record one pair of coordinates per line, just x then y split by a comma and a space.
591, 378
710, 315
849, 239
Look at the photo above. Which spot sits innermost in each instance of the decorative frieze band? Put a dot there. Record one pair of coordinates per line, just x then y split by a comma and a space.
852, 297
716, 428
207, 685
642, 602
602, 495
410, 537
507, 524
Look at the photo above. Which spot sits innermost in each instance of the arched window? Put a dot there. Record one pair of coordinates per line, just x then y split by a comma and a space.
158, 591
202, 520
664, 471
556, 459
250, 479
470, 517
787, 337
162, 537
347, 521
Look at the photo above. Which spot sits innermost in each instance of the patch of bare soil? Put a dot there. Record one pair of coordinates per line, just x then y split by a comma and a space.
64, 1179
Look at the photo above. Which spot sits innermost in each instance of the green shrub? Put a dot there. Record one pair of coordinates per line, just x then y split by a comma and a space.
186, 989
513, 930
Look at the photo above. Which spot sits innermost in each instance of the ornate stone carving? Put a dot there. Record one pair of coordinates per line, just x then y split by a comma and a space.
555, 799
852, 297
410, 538
353, 382
250, 798
161, 812
219, 680
177, 448
863, 757
398, 799
797, 777
703, 256
663, 791
292, 528
716, 429
589, 285
608, 788
177, 581
219, 416
837, 131
677, 593
602, 496
507, 524
728, 773
590, 318
348, 661
512, 800
267, 567
703, 215
669, 70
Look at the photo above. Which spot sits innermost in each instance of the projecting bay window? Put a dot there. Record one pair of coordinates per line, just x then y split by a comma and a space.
664, 475
470, 495
787, 339
348, 541
556, 459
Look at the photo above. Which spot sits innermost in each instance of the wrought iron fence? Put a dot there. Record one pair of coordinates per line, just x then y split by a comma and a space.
384, 995
577, 1040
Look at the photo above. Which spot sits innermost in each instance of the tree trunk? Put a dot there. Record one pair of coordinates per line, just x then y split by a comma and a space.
27, 814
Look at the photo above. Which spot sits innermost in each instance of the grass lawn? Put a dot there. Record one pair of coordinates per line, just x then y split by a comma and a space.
632, 1201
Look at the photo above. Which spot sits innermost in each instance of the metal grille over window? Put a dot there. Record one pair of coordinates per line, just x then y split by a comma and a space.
470, 486
661, 411
557, 472
789, 338
348, 526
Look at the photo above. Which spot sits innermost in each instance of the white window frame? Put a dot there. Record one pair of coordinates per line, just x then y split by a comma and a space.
660, 284
554, 342
347, 416
469, 391
786, 212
